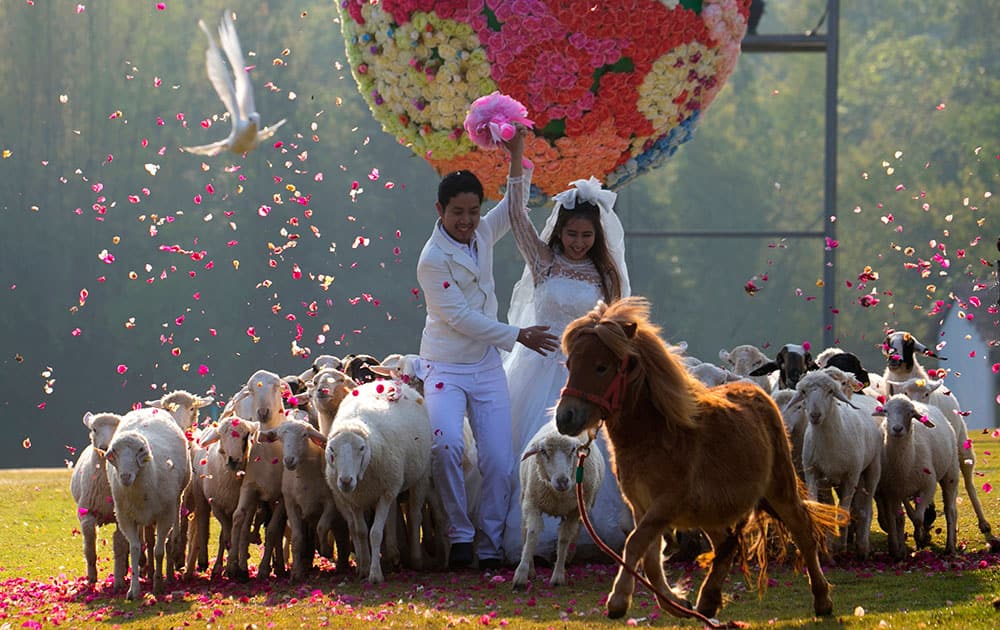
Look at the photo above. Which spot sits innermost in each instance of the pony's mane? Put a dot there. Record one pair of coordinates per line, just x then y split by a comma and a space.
675, 394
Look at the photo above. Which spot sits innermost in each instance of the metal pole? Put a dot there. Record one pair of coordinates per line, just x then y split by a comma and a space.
830, 171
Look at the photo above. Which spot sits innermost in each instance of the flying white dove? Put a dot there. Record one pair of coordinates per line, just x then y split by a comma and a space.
238, 98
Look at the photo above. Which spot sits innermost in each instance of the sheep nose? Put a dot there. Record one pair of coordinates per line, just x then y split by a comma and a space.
127, 479
562, 483
290, 463
897, 430
263, 414
346, 483
815, 416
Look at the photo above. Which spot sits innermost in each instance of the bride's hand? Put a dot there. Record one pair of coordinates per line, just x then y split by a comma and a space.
538, 339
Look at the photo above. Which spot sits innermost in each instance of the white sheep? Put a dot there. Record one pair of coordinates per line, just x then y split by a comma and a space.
326, 391
261, 485
150, 468
547, 472
379, 446
744, 359
91, 491
841, 447
711, 374
221, 467
931, 392
184, 406
309, 505
918, 454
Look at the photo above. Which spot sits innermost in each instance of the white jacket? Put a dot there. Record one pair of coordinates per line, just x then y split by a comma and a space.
461, 323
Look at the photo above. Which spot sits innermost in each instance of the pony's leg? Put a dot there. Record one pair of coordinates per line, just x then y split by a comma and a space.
725, 544
649, 529
801, 522
652, 566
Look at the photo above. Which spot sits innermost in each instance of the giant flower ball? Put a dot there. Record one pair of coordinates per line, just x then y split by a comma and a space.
613, 87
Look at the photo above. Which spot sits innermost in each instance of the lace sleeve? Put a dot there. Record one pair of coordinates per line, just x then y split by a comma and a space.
534, 250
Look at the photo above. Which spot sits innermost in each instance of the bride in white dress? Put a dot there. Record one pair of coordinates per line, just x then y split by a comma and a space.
578, 259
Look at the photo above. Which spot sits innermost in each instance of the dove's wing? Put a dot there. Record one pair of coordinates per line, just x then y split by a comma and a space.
218, 76
209, 149
267, 132
231, 44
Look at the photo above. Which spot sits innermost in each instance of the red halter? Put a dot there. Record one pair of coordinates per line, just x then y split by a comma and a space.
611, 401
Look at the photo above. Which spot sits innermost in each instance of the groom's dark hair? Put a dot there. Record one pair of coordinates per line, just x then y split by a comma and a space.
456, 183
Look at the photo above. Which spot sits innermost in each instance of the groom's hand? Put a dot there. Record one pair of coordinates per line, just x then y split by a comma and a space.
538, 339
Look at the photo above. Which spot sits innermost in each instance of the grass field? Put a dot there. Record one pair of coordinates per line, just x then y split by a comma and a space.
41, 584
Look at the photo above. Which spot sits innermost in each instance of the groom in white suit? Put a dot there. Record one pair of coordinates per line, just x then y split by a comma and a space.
460, 364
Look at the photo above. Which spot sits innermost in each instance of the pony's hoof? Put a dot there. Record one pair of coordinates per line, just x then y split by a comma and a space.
618, 606
823, 608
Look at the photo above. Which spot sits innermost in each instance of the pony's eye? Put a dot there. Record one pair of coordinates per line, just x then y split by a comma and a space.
601, 369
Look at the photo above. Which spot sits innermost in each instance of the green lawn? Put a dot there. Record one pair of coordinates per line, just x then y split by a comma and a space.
41, 564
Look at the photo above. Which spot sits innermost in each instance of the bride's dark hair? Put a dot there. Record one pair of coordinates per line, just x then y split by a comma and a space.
611, 284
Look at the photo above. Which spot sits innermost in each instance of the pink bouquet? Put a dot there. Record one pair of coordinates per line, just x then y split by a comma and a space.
492, 119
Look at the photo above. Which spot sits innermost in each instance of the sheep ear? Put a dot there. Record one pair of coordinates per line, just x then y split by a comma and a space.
208, 437
381, 370
924, 420
110, 456
532, 450
87, 418
839, 395
204, 401
796, 399
154, 403
765, 369
723, 355
317, 438
879, 412
933, 385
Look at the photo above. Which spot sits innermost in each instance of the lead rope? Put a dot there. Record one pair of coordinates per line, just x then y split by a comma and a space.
683, 611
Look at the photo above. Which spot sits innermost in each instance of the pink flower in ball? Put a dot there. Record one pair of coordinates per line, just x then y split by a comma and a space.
493, 119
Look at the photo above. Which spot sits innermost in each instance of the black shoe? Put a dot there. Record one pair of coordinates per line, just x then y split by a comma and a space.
460, 556
489, 564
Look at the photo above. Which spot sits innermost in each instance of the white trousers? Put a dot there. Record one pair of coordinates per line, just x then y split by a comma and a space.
451, 393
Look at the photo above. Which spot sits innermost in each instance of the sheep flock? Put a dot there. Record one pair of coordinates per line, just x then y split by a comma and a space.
336, 462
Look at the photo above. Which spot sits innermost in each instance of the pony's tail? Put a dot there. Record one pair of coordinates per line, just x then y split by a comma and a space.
766, 535
763, 535
826, 521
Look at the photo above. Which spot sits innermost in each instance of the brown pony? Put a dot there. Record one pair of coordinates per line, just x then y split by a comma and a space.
687, 456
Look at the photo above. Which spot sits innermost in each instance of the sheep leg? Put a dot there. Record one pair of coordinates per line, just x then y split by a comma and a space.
273, 553
949, 494
390, 553
164, 529
568, 530
120, 546
414, 517
299, 563
88, 526
968, 466
362, 552
240, 537
225, 534
382, 510
846, 494
133, 533
531, 525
